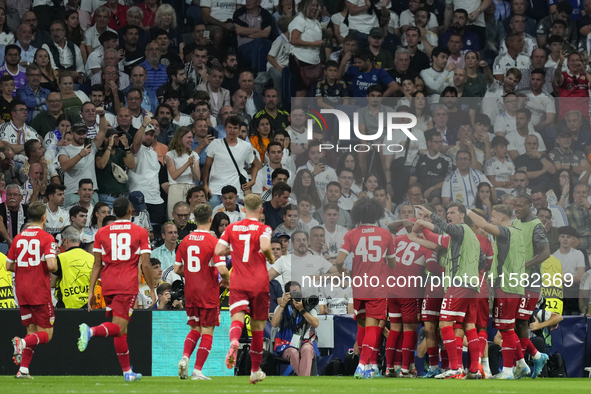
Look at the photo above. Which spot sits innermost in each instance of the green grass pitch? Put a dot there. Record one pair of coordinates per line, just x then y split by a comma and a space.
328, 385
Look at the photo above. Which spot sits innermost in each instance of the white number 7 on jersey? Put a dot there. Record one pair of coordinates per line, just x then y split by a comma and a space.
246, 239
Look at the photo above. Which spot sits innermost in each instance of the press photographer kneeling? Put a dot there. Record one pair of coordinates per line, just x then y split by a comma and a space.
294, 317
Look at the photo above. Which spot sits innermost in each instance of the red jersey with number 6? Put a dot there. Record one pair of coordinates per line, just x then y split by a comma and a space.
195, 253
369, 245
29, 250
249, 266
411, 259
120, 245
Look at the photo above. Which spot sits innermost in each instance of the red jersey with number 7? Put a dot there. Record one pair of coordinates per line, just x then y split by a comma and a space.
249, 266
29, 250
196, 254
369, 245
411, 259
120, 245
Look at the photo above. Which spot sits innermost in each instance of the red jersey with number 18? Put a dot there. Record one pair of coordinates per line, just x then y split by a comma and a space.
249, 266
120, 245
369, 245
29, 250
195, 253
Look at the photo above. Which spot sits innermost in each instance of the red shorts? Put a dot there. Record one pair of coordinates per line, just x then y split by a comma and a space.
255, 304
432, 304
120, 305
483, 311
373, 307
203, 317
404, 310
505, 310
527, 305
459, 305
41, 315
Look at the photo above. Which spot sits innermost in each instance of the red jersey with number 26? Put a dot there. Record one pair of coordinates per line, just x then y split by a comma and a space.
120, 245
369, 245
195, 253
29, 250
249, 266
411, 259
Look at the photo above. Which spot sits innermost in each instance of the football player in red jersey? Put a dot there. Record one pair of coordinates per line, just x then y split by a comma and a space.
369, 244
196, 261
31, 257
250, 243
404, 302
118, 246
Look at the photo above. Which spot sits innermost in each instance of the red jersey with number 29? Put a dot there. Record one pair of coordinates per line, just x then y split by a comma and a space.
120, 245
369, 245
195, 253
411, 259
249, 266
29, 250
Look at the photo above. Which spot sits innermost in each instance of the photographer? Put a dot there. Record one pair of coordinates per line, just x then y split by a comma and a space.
294, 317
164, 298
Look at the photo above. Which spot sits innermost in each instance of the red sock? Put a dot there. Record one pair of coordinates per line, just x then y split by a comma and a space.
236, 331
360, 337
368, 344
27, 356
518, 351
391, 347
444, 359
408, 348
508, 350
433, 353
106, 330
122, 352
531, 349
203, 351
36, 338
190, 343
373, 358
256, 350
449, 340
473, 348
460, 350
398, 354
483, 336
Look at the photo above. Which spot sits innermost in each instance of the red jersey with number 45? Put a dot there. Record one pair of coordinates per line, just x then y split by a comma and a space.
411, 259
249, 266
195, 253
29, 250
120, 245
369, 245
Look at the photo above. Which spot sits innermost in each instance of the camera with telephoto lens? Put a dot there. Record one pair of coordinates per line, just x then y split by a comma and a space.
177, 293
309, 303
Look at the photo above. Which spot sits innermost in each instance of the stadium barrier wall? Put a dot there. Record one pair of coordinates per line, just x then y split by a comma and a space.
156, 342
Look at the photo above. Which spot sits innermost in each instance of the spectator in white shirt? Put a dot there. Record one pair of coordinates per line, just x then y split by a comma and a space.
440, 75
572, 260
64, 55
229, 205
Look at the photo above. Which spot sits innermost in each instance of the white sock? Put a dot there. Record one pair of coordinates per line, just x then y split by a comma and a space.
433, 367
404, 370
124, 372
508, 370
23, 344
485, 366
537, 356
521, 363
24, 370
91, 332
197, 372
362, 366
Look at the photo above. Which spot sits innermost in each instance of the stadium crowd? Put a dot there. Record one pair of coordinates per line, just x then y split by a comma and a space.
183, 103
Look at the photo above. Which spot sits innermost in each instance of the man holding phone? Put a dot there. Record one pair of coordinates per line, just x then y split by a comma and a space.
77, 159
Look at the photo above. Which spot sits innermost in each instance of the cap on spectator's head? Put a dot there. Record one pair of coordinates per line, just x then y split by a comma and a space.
567, 230
376, 32
565, 133
79, 128
171, 94
281, 234
137, 200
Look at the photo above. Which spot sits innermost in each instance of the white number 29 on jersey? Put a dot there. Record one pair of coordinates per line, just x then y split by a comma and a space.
368, 250
120, 246
32, 248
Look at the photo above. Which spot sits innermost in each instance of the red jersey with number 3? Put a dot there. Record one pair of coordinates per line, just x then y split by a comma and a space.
249, 266
411, 259
120, 245
369, 245
195, 253
29, 250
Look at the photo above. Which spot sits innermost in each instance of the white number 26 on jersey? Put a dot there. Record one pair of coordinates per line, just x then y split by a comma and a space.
120, 246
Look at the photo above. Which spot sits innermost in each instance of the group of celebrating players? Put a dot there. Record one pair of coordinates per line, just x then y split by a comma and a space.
459, 248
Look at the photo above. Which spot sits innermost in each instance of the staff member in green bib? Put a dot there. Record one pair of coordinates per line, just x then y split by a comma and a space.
74, 267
